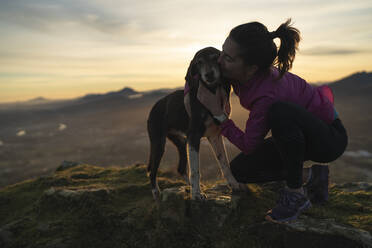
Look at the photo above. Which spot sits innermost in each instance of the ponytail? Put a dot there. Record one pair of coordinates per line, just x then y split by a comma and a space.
289, 39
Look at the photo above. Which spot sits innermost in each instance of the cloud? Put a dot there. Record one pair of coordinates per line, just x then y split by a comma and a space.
331, 51
65, 42
116, 22
47, 16
143, 22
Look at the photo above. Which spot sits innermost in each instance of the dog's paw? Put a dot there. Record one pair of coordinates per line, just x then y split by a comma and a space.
198, 197
156, 194
187, 180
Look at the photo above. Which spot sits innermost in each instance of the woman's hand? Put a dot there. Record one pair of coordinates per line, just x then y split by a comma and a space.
217, 103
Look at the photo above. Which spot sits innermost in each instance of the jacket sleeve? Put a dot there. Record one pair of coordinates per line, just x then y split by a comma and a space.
256, 128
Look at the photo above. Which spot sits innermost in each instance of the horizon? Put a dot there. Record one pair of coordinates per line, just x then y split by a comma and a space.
148, 90
65, 49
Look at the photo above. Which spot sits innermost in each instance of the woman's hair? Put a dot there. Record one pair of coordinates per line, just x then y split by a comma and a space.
258, 48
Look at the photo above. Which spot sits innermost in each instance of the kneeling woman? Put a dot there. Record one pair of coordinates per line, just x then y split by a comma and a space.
301, 117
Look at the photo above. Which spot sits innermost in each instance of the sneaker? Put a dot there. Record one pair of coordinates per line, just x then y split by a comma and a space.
316, 189
289, 206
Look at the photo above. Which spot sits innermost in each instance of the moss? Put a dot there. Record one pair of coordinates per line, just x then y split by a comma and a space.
90, 206
351, 208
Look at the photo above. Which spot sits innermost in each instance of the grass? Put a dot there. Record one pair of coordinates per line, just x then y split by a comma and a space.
91, 206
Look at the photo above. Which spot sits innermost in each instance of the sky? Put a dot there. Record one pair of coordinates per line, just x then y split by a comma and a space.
68, 48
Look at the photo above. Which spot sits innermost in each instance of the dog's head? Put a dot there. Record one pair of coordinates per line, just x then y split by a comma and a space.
204, 67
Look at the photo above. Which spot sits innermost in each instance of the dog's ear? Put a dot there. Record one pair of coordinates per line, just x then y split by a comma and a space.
192, 72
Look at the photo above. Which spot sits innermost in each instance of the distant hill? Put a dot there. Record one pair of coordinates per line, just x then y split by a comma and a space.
38, 100
126, 92
89, 102
356, 85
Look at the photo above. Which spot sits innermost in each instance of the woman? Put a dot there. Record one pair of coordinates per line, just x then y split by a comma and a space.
301, 117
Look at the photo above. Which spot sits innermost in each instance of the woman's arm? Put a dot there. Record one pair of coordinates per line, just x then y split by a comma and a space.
255, 130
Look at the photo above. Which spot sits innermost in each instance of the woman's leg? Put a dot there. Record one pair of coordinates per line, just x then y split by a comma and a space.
300, 136
263, 165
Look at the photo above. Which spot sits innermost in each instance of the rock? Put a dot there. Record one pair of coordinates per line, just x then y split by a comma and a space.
355, 186
90, 206
177, 206
221, 207
43, 227
77, 193
72, 199
66, 165
6, 238
13, 224
57, 243
176, 193
7, 232
330, 227
82, 176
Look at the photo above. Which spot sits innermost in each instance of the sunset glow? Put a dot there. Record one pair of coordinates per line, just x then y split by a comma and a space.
65, 48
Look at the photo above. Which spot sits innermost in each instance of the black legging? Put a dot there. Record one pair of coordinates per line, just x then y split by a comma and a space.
297, 136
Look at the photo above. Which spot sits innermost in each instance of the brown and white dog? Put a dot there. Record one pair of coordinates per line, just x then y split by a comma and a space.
182, 119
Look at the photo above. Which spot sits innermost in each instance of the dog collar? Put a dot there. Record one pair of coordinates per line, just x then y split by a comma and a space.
220, 118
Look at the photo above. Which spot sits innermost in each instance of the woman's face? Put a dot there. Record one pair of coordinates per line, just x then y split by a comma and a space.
231, 63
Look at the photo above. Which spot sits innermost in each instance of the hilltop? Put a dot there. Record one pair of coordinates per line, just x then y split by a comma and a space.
82, 205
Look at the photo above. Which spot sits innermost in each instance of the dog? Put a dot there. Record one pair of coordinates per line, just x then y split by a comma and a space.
182, 118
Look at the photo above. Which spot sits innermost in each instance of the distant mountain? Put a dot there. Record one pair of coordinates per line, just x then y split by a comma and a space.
38, 100
361, 78
162, 91
89, 102
114, 100
358, 85
126, 92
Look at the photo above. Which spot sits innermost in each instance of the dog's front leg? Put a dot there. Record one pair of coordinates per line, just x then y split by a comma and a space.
218, 146
193, 145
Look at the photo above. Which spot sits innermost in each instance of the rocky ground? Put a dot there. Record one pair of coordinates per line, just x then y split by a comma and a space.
88, 206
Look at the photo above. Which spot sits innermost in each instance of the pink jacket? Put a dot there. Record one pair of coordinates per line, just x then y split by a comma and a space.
260, 92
